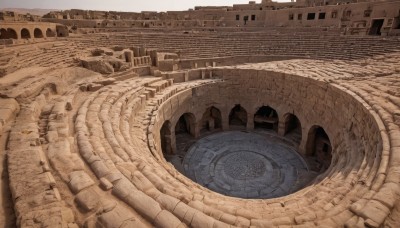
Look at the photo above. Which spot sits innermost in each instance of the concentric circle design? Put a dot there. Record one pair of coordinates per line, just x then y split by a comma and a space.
243, 165
246, 165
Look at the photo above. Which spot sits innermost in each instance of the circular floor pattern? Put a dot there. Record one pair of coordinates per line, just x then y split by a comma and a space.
246, 165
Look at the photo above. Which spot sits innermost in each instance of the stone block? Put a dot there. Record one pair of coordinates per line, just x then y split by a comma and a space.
79, 180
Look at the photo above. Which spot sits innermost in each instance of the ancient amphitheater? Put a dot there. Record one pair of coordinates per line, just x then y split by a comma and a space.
255, 115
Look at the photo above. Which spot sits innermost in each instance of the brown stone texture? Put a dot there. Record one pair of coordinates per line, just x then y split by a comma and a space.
88, 124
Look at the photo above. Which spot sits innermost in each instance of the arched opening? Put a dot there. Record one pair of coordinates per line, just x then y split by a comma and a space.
184, 133
318, 149
165, 135
25, 34
185, 124
211, 120
37, 33
50, 33
292, 128
266, 118
238, 116
3, 34
8, 34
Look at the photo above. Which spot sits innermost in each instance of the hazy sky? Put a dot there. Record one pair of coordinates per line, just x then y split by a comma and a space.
119, 5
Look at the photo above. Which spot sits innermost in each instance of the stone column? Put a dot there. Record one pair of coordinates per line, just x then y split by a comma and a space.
281, 127
225, 120
250, 122
196, 130
303, 144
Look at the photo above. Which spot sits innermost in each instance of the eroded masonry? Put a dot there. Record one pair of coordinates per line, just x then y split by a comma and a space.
254, 115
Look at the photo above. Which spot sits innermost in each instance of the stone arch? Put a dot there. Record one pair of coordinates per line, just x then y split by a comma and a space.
266, 118
37, 33
25, 34
8, 33
238, 116
319, 148
50, 33
185, 133
211, 119
292, 127
186, 124
3, 33
165, 137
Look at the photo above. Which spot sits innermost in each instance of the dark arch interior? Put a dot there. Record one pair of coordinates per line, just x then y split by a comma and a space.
185, 125
37, 33
25, 34
238, 116
211, 120
8, 34
319, 149
184, 132
177, 142
266, 118
293, 128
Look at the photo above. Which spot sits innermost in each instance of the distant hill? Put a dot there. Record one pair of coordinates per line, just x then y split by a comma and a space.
39, 12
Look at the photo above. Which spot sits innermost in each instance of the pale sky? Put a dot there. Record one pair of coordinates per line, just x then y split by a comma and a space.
120, 5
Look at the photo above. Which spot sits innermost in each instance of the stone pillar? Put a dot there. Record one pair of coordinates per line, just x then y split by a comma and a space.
195, 130
203, 74
142, 51
250, 121
225, 121
303, 144
281, 127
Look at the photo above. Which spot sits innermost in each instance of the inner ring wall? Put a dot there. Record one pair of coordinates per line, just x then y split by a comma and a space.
347, 121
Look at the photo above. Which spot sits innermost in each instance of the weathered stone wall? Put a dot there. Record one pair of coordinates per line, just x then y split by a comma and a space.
313, 102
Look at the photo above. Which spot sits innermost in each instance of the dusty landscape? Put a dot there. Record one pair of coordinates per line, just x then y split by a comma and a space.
255, 115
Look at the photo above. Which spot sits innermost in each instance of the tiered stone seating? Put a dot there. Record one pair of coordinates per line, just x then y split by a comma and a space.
92, 158
49, 54
287, 43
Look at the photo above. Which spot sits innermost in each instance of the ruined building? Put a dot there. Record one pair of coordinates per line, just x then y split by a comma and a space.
253, 115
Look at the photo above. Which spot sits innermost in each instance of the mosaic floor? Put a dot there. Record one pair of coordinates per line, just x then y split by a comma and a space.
246, 165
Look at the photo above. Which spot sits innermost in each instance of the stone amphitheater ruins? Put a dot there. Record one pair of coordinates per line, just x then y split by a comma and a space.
254, 115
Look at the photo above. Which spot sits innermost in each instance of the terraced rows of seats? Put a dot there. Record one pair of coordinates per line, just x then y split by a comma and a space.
105, 149
302, 44
47, 54
87, 158
208, 45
